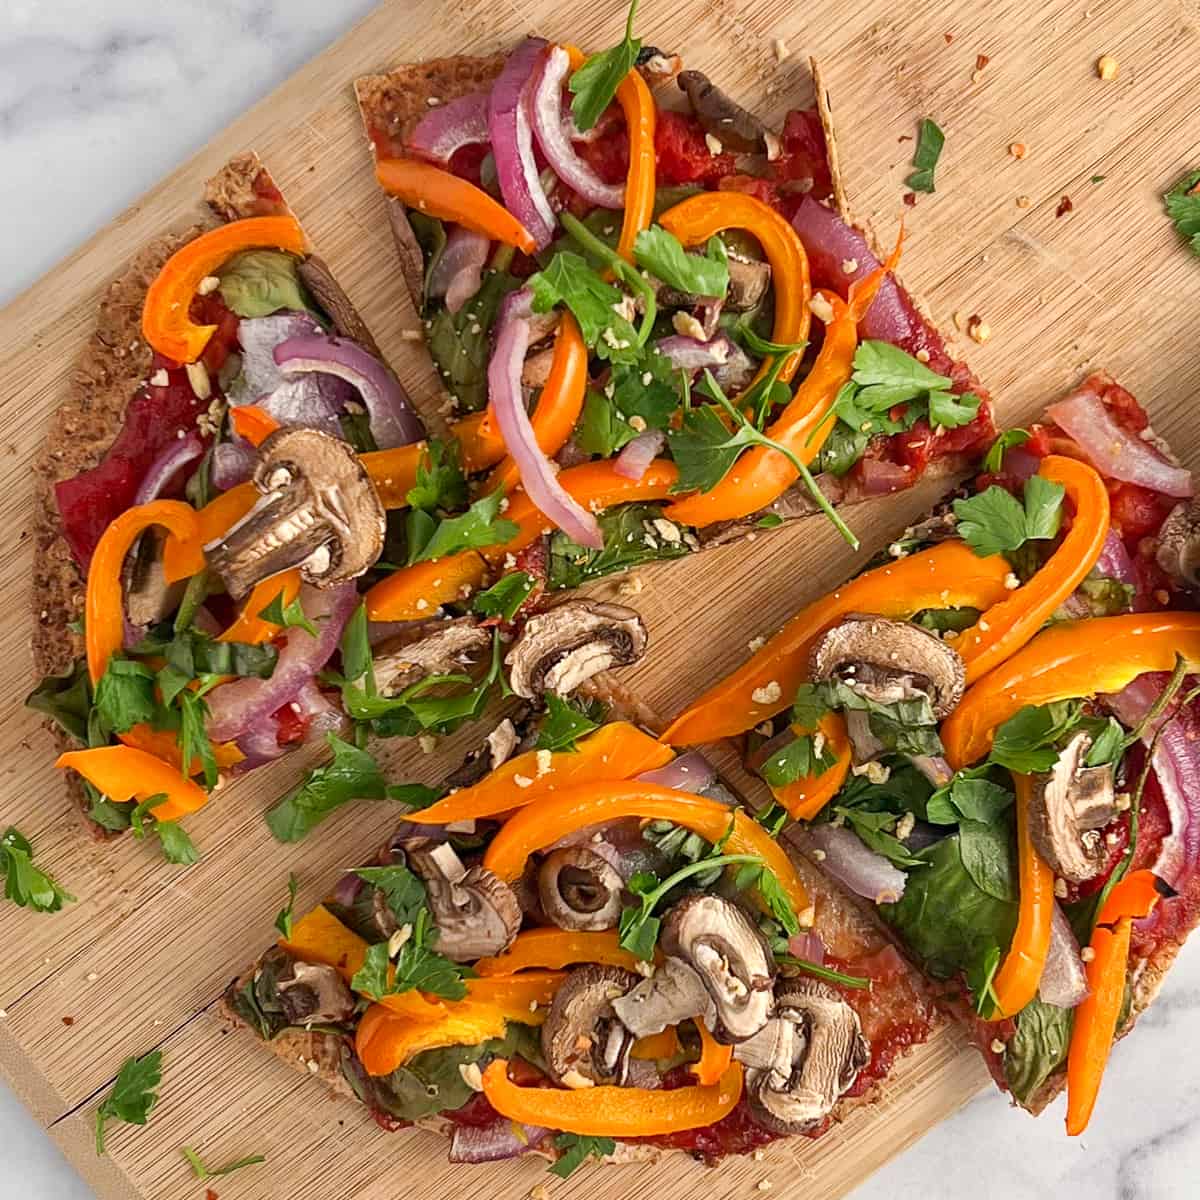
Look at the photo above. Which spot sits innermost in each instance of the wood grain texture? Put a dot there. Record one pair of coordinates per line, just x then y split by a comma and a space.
140, 959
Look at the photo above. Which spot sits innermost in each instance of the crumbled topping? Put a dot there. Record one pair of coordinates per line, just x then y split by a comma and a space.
1087, 954
638, 422
667, 530
471, 1076
427, 742
545, 762
755, 644
197, 374
1023, 201
767, 694
687, 326
849, 266
978, 330
208, 285
780, 49
522, 781
998, 1046
821, 308
905, 825
1107, 67
160, 378
1011, 581
631, 586
713, 143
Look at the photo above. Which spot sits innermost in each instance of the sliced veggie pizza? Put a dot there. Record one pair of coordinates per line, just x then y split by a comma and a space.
617, 267
992, 736
586, 947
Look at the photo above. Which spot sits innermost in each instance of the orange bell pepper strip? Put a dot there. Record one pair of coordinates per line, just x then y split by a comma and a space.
123, 773
415, 593
104, 607
558, 406
805, 797
554, 949
694, 220
714, 1057
252, 423
1070, 659
166, 325
597, 486
249, 626
607, 1111
553, 817
384, 1041
1007, 626
656, 1045
440, 194
164, 744
945, 576
641, 117
1016, 982
1096, 1018
617, 750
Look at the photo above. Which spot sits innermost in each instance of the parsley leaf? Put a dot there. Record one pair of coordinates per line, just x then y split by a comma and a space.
417, 966
481, 525
576, 1149
177, 846
125, 694
1183, 207
811, 703
569, 279
595, 83
402, 888
994, 458
799, 759
439, 482
601, 429
872, 830
646, 389
357, 660
24, 884
662, 254
506, 595
949, 411
352, 775
565, 723
1026, 741
203, 1172
134, 1094
288, 616
930, 140
283, 922
880, 364
995, 522
194, 741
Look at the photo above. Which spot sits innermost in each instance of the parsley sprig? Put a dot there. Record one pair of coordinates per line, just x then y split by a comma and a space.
25, 884
201, 1171
595, 84
576, 1149
996, 522
133, 1096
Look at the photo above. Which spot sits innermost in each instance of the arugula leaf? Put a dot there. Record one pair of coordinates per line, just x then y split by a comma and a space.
626, 545
1007, 440
576, 1149
799, 759
506, 595
662, 254
1026, 741
941, 620
569, 279
565, 723
24, 884
995, 522
930, 140
203, 1172
481, 525
283, 922
133, 1095
288, 616
595, 83
352, 775
1183, 207
66, 699
440, 481
125, 694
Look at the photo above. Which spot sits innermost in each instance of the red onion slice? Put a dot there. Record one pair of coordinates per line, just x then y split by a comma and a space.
807, 946
881, 477
1115, 451
232, 463
458, 273
690, 772
394, 422
491, 1143
166, 466
451, 126
691, 354
538, 476
1064, 981
636, 456
511, 139
245, 706
851, 863
546, 115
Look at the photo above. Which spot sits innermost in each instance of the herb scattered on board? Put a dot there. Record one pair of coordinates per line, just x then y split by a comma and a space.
133, 1095
25, 884
1183, 207
204, 1172
283, 922
930, 140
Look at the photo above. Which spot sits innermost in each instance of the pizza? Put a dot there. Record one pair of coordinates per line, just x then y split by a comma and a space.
990, 736
583, 945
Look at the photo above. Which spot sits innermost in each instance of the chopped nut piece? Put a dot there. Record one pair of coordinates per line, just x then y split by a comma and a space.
427, 742
1023, 202
160, 378
471, 1076
1018, 149
197, 374
849, 266
821, 308
713, 143
764, 1185
1087, 954
208, 285
781, 49
1060, 888
978, 329
632, 586
1107, 67
687, 325
997, 1046
768, 693
522, 781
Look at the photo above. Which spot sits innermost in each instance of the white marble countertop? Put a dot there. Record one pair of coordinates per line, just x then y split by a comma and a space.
97, 102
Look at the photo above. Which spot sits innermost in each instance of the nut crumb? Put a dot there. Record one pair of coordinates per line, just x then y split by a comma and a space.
767, 694
763, 1185
1087, 954
1018, 149
957, 318
922, 355
687, 326
522, 781
471, 1076
545, 762
780, 47
632, 586
197, 374
998, 1046
1011, 581
427, 742
160, 378
821, 308
849, 266
539, 1191
756, 644
637, 422
1107, 67
1023, 201
1060, 888
978, 330
207, 285
713, 143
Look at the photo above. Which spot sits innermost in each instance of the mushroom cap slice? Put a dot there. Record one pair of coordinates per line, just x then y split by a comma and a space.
748, 283
731, 124
477, 914
674, 993
564, 647
319, 512
579, 889
808, 1056
1178, 550
888, 661
583, 1042
435, 648
1068, 806
312, 993
725, 948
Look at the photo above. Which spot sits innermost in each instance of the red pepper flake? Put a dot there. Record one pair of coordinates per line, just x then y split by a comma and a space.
910, 198
949, 37
211, 1195
905, 137
68, 1021
1064, 206
981, 61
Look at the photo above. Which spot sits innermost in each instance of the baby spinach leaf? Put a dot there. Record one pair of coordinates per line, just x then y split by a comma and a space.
257, 283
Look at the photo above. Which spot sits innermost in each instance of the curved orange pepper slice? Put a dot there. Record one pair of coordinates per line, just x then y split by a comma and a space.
617, 750
1135, 896
440, 194
714, 1057
657, 1045
607, 1111
166, 325
252, 423
1068, 660
1007, 626
1016, 982
124, 773
415, 593
947, 575
694, 220
558, 948
804, 798
641, 117
164, 744
384, 1041
104, 606
540, 824
249, 626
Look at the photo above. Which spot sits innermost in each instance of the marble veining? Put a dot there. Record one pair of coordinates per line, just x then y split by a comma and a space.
98, 100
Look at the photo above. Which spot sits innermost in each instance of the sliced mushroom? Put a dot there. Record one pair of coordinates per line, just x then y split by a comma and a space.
583, 1041
888, 661
748, 283
441, 648
674, 993
476, 912
149, 598
313, 993
579, 890
1068, 807
319, 512
732, 125
720, 941
804, 1059
560, 649
1179, 543
315, 274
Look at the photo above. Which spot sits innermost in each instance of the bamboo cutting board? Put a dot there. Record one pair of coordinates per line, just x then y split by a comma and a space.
139, 959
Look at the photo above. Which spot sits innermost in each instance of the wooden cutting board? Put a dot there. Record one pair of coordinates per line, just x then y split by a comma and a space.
140, 958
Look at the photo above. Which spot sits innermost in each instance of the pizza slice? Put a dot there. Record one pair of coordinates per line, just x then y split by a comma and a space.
991, 736
583, 945
618, 269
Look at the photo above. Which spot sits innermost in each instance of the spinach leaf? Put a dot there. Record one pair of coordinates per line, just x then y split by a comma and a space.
66, 699
1037, 1049
986, 850
566, 722
257, 283
626, 545
461, 342
601, 429
1026, 741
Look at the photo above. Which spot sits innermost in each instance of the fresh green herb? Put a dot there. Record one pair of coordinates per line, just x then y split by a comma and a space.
417, 966
125, 694
662, 254
601, 429
769, 521
194, 654
1098, 178
1027, 741
630, 541
357, 660
133, 1095
402, 888
994, 459
809, 705
744, 332
941, 620
565, 723
905, 727
647, 388
773, 817
980, 978
283, 922
24, 884
576, 1149
930, 140
769, 888
288, 616
352, 775
948, 411
880, 364
995, 522
872, 830
506, 595
969, 797
203, 1172
799, 759
1037, 1048
177, 846
440, 482
66, 699
194, 741
569, 279
595, 83
257, 283
855, 982
986, 849
1183, 207
481, 525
